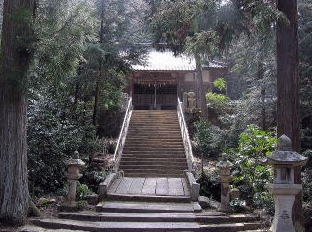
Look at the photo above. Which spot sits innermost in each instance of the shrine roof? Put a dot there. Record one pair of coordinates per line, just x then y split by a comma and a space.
167, 61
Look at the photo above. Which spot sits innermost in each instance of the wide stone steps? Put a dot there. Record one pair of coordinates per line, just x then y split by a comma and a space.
117, 226
158, 221
148, 198
211, 217
147, 207
153, 135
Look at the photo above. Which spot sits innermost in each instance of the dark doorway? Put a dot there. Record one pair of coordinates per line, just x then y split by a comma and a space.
154, 97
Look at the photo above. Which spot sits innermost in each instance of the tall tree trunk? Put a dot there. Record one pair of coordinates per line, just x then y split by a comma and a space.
98, 80
96, 101
200, 85
288, 117
263, 110
16, 55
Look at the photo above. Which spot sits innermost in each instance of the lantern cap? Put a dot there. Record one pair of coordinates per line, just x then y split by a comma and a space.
224, 164
75, 161
285, 155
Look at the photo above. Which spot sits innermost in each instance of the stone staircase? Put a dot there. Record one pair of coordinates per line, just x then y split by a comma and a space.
154, 146
147, 217
154, 193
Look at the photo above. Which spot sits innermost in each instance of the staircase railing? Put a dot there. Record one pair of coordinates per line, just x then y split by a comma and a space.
122, 135
185, 137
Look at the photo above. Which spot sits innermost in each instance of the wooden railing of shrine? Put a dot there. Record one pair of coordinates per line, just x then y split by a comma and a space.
185, 137
122, 135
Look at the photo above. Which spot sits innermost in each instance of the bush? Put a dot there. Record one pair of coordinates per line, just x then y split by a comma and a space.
210, 185
249, 174
216, 100
82, 191
53, 136
207, 137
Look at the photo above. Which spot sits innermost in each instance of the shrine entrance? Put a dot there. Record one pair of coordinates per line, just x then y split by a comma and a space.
155, 96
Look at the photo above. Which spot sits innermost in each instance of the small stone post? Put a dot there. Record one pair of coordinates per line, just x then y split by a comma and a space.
73, 167
225, 178
184, 103
191, 100
283, 188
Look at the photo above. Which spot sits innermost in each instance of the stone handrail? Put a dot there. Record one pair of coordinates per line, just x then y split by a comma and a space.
185, 137
122, 135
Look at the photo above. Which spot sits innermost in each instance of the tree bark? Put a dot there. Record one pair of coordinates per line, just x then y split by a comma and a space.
200, 85
98, 80
96, 100
263, 110
288, 115
16, 55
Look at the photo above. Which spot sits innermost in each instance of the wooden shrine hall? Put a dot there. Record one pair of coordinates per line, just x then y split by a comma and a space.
165, 77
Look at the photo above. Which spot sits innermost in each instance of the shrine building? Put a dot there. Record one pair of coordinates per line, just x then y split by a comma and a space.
165, 77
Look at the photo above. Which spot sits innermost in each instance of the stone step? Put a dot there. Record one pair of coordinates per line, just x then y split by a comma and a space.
155, 149
154, 133
163, 144
155, 129
129, 217
166, 137
141, 155
154, 144
155, 139
213, 217
155, 126
156, 175
149, 141
151, 123
147, 207
223, 218
141, 147
154, 171
232, 227
160, 154
116, 226
153, 167
152, 158
148, 198
163, 162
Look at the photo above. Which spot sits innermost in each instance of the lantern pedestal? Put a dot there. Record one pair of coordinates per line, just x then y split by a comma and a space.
284, 198
284, 189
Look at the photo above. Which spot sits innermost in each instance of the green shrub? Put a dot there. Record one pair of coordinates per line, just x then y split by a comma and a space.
53, 136
210, 185
307, 178
216, 100
82, 191
237, 205
219, 83
249, 174
206, 137
81, 205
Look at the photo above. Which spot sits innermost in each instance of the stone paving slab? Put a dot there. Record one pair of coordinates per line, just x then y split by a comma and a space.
161, 186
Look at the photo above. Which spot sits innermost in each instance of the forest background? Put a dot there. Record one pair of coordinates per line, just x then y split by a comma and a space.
84, 51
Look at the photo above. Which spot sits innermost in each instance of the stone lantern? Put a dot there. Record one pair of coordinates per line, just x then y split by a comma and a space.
191, 100
225, 178
73, 175
284, 190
